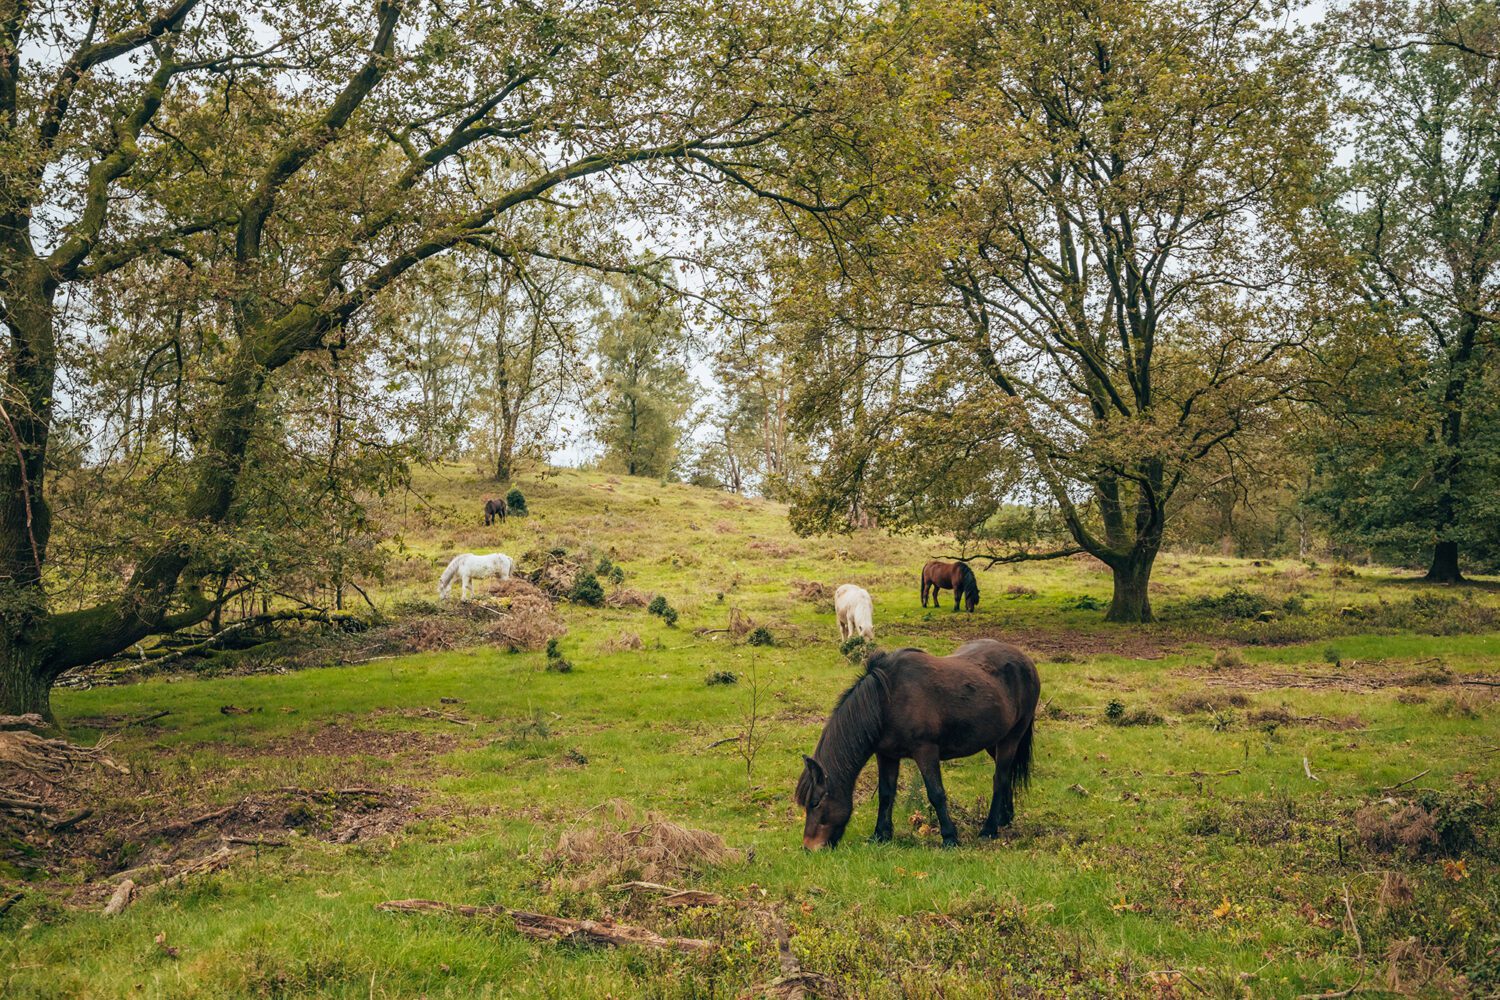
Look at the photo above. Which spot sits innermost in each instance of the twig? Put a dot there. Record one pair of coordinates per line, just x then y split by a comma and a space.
1392, 788
147, 718
1307, 770
1359, 942
545, 927
248, 842
719, 743
72, 821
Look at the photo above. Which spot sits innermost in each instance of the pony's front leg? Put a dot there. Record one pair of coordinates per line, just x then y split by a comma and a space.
928, 761
464, 590
890, 774
924, 592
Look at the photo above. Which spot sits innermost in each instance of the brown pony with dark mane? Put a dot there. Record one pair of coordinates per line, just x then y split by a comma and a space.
929, 708
957, 577
493, 510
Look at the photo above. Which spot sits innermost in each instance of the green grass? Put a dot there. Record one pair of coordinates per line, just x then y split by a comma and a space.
1123, 857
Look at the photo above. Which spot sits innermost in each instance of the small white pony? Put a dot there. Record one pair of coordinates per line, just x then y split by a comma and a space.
466, 566
855, 611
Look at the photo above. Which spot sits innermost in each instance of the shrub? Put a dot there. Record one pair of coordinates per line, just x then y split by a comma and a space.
670, 617
855, 648
555, 660
586, 590
1085, 603
1228, 659
603, 567
760, 636
616, 575
721, 677
515, 502
658, 605
1115, 710
1235, 602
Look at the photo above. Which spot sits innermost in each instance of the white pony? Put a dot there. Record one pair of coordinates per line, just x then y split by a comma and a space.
466, 566
855, 611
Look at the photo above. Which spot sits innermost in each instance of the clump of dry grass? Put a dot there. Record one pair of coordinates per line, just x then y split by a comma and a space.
630, 846
620, 643
525, 622
517, 587
1194, 702
626, 597
1385, 826
426, 633
811, 590
1228, 659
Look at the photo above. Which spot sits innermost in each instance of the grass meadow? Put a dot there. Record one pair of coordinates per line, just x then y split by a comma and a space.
1223, 804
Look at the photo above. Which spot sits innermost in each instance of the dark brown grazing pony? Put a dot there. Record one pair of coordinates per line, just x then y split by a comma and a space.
929, 708
493, 509
957, 577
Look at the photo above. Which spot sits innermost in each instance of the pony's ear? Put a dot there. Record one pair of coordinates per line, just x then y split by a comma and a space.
815, 769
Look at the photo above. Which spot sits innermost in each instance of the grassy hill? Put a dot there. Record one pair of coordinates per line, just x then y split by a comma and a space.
1172, 844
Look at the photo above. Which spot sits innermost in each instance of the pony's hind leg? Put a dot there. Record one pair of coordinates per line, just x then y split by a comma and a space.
1003, 799
890, 774
928, 761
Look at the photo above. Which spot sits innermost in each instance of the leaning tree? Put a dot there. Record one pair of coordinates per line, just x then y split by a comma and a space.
1074, 287
293, 161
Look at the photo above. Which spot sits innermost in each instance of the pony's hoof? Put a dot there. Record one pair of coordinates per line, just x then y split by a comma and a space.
950, 842
879, 837
989, 834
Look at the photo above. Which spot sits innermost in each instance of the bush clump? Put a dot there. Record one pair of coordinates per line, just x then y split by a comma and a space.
658, 605
856, 648
760, 636
1085, 602
1236, 602
1115, 710
556, 662
515, 502
587, 590
718, 677
670, 617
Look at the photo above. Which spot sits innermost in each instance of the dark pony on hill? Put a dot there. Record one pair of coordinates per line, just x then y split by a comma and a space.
957, 577
908, 703
493, 510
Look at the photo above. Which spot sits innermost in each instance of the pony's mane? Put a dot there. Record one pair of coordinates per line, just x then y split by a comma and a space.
855, 724
968, 582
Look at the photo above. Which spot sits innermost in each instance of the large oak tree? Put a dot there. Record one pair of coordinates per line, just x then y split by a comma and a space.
1073, 288
294, 161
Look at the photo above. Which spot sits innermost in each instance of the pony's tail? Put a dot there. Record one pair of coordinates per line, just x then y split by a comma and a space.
1020, 768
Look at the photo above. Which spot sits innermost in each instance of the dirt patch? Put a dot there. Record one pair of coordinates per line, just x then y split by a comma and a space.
1061, 645
1353, 676
625, 845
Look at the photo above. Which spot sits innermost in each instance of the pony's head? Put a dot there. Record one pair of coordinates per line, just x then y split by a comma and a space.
969, 586
828, 812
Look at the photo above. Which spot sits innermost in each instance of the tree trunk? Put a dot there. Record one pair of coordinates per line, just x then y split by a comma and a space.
24, 686
1132, 599
1444, 567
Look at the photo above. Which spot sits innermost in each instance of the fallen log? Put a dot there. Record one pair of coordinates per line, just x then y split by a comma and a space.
549, 928
120, 898
30, 720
